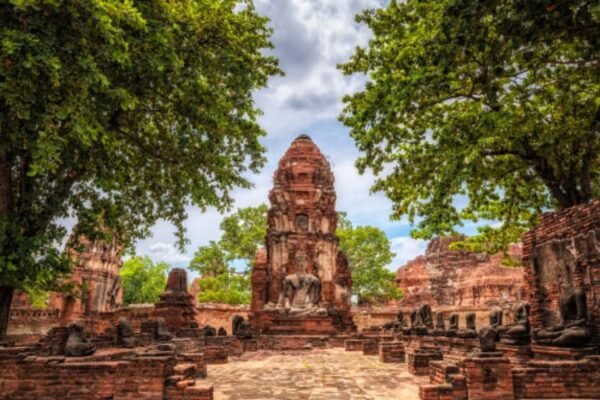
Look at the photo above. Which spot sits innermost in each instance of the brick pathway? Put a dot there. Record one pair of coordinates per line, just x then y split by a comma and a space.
331, 374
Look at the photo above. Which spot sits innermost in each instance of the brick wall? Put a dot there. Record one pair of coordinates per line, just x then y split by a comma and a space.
565, 245
25, 377
558, 379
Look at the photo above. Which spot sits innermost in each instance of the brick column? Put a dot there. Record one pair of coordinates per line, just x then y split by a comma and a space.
489, 377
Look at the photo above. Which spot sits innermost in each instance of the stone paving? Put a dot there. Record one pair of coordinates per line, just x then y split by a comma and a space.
320, 374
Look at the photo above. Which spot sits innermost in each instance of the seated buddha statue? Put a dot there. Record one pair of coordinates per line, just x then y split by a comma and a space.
572, 331
470, 331
301, 291
440, 325
452, 325
518, 332
77, 345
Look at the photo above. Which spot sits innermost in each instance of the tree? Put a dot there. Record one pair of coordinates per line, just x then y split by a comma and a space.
209, 260
118, 113
142, 280
243, 233
229, 288
479, 111
368, 251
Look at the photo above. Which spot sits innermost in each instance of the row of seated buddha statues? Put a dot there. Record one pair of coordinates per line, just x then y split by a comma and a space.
571, 331
421, 323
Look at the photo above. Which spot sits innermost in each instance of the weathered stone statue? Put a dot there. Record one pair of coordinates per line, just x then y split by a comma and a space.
440, 325
125, 336
162, 333
471, 330
417, 326
572, 331
426, 316
77, 345
496, 317
301, 291
241, 328
495, 321
177, 280
516, 333
400, 322
487, 339
222, 332
452, 325
407, 324
208, 330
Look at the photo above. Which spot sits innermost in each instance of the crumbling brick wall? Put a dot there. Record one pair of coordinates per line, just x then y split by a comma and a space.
564, 246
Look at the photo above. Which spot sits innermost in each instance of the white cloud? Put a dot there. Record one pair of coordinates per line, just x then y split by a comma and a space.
311, 37
161, 251
406, 249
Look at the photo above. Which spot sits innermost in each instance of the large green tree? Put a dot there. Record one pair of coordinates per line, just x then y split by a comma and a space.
369, 253
479, 110
243, 232
118, 113
142, 280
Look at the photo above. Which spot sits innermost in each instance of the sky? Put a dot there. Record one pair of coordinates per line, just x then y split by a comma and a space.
310, 37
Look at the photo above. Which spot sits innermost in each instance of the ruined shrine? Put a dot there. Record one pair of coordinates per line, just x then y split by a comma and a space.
301, 281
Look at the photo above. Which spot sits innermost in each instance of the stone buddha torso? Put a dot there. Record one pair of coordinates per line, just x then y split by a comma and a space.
301, 291
572, 331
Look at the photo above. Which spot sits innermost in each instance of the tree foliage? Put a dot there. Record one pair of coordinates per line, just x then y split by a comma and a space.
479, 111
243, 233
142, 280
225, 288
118, 113
210, 260
369, 254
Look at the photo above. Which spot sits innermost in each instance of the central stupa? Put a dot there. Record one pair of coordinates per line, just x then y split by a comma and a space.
301, 282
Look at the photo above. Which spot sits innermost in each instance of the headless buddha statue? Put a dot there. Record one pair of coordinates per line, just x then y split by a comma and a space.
452, 325
301, 291
572, 331
516, 333
470, 331
77, 344
440, 325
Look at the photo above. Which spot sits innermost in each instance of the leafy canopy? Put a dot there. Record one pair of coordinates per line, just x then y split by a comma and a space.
479, 111
368, 251
225, 288
118, 113
142, 280
243, 233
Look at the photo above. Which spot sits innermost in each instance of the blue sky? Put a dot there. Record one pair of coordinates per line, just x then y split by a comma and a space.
311, 37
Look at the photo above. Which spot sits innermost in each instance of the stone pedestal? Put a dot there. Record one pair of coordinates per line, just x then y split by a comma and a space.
301, 326
550, 353
418, 360
489, 377
371, 347
176, 305
249, 345
354, 345
392, 352
518, 356
338, 340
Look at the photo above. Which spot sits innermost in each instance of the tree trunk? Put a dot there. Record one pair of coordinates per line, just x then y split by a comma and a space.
6, 207
6, 294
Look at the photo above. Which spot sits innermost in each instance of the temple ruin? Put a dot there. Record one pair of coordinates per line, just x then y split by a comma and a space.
468, 327
301, 282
